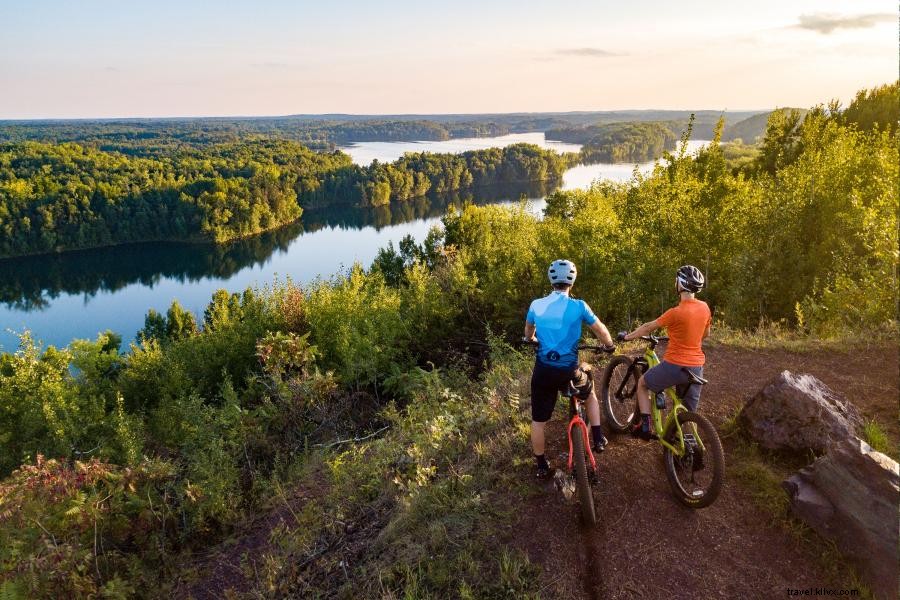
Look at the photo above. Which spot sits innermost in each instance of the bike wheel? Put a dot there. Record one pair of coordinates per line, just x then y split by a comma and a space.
585, 496
695, 485
618, 393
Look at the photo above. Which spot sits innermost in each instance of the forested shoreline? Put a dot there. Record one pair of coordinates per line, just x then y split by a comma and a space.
59, 197
622, 142
71, 185
641, 141
163, 136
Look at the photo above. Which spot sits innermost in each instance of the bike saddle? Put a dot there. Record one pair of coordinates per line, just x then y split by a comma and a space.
581, 385
694, 378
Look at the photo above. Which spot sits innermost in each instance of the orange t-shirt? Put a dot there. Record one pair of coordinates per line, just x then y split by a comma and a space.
686, 324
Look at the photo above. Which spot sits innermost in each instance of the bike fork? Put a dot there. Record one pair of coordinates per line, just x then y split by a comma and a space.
576, 421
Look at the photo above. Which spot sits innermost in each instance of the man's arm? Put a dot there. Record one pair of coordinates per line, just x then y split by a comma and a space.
644, 329
602, 332
707, 330
529, 330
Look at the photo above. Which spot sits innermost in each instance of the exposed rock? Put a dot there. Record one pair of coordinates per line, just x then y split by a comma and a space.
799, 412
851, 496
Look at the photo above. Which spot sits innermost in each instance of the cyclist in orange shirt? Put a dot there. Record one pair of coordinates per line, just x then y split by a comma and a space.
688, 325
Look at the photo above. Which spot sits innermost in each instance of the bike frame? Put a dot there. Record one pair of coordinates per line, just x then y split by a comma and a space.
678, 449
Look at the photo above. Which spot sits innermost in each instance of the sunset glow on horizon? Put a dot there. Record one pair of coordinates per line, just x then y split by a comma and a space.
100, 58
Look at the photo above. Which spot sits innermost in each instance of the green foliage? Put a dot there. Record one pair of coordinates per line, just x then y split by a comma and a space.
621, 142
781, 143
57, 197
430, 495
60, 402
67, 529
875, 108
160, 137
416, 174
355, 321
752, 129
187, 431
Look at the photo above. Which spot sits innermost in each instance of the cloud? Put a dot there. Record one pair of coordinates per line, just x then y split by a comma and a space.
589, 52
826, 23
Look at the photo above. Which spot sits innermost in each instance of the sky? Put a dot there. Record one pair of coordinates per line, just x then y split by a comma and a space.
121, 58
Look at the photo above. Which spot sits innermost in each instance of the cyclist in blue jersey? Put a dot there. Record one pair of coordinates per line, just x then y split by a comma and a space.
555, 322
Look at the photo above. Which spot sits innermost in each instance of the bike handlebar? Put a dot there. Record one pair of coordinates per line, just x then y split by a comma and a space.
654, 338
607, 349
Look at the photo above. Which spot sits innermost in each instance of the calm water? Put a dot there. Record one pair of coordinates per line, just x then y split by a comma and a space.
364, 153
78, 294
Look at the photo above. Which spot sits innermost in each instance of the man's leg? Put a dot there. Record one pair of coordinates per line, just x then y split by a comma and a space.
643, 393
593, 411
643, 428
537, 438
692, 396
543, 399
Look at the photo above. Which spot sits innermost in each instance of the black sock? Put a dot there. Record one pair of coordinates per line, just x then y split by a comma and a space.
541, 460
645, 422
597, 433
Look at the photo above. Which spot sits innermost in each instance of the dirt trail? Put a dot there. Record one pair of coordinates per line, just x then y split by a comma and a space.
649, 546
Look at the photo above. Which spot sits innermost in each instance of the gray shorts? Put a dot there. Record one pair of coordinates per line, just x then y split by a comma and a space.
665, 375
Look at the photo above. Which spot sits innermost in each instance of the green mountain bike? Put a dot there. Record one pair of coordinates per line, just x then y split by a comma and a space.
692, 450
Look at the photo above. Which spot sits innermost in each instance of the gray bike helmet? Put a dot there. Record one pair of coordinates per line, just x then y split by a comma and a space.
690, 279
562, 271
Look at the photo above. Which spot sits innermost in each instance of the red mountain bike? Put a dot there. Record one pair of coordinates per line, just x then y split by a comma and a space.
580, 454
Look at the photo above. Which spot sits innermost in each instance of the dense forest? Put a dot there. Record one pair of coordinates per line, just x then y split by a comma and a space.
124, 465
68, 185
416, 174
641, 141
30, 282
158, 137
621, 142
56, 197
154, 137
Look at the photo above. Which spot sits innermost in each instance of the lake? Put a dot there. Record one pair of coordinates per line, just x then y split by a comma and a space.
78, 294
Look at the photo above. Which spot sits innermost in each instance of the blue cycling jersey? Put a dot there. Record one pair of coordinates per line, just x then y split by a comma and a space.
558, 320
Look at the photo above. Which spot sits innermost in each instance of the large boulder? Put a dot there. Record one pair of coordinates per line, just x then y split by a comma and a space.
851, 495
799, 412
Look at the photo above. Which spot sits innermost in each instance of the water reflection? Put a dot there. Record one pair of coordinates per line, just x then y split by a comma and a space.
31, 283
77, 294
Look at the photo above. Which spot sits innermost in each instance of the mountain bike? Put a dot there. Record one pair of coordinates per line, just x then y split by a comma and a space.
692, 450
580, 454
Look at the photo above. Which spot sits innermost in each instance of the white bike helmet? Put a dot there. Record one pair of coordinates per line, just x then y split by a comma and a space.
562, 271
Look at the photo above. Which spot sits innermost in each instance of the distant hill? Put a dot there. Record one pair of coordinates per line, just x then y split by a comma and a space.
752, 128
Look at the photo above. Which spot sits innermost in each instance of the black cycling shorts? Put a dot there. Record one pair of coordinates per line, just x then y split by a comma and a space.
546, 385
